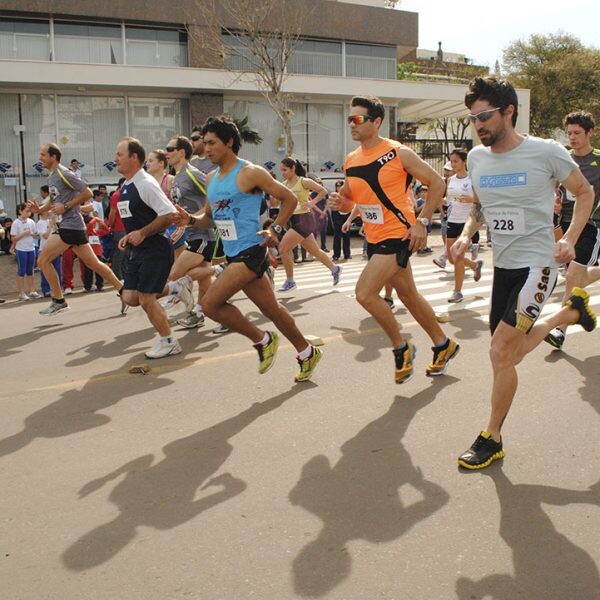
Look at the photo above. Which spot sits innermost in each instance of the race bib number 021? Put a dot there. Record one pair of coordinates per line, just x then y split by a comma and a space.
227, 230
371, 213
506, 221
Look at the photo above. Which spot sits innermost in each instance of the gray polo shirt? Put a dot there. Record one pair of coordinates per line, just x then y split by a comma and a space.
516, 191
64, 185
189, 190
203, 164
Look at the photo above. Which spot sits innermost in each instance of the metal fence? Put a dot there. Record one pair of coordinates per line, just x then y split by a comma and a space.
436, 152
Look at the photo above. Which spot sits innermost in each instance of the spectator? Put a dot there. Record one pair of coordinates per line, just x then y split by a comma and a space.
23, 234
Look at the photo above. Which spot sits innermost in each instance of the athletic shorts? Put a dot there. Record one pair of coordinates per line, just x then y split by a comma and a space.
392, 246
25, 262
148, 268
209, 250
255, 258
177, 236
454, 229
73, 237
587, 248
303, 224
518, 295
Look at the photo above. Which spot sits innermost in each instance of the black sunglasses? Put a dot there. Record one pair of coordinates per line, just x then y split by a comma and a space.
171, 148
195, 138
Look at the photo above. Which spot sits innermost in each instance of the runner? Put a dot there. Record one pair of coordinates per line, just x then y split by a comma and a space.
146, 213
513, 178
378, 174
581, 271
67, 193
302, 223
235, 192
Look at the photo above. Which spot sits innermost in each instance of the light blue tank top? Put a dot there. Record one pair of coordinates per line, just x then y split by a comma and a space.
235, 213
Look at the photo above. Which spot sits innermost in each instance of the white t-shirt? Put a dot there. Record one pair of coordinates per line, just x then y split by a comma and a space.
41, 227
27, 243
458, 212
516, 191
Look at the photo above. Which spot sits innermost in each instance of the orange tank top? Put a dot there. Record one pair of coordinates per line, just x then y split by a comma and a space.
377, 176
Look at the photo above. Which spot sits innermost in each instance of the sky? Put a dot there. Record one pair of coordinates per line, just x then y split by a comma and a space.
481, 31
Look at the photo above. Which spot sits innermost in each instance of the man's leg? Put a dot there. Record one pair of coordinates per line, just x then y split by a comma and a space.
86, 254
53, 248
155, 312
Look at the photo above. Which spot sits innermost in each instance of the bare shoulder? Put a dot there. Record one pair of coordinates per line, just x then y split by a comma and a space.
253, 176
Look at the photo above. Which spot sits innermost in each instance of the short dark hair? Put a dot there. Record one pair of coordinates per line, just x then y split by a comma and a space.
582, 118
134, 146
225, 129
74, 160
183, 143
95, 193
499, 92
21, 206
54, 150
295, 164
461, 153
45, 189
373, 104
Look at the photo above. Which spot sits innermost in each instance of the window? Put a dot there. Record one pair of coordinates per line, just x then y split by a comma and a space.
314, 57
152, 129
24, 40
375, 62
89, 44
156, 47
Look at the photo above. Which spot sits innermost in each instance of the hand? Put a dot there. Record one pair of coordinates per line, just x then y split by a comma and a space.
270, 240
334, 201
58, 208
135, 238
346, 226
33, 206
182, 217
564, 251
418, 237
123, 243
459, 247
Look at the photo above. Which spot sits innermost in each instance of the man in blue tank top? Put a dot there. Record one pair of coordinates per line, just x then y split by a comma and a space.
234, 193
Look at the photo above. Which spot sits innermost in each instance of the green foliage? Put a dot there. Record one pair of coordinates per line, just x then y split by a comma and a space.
562, 74
406, 70
248, 135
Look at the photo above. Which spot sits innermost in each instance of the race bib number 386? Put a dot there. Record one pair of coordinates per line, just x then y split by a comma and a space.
506, 221
371, 213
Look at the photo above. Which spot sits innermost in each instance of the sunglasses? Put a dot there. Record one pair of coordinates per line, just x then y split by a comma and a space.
170, 148
195, 138
359, 119
484, 115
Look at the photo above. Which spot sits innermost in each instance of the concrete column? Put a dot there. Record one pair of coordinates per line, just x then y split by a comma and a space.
203, 106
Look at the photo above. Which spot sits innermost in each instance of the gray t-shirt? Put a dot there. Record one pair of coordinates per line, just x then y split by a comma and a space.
516, 191
189, 190
65, 185
590, 167
203, 164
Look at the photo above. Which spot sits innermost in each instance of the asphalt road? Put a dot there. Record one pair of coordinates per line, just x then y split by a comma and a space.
205, 480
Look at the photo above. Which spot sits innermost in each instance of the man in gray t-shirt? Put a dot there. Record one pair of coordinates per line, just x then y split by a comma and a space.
67, 193
513, 178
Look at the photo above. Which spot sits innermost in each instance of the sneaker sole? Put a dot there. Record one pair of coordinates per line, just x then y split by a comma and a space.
56, 312
273, 359
438, 373
587, 318
553, 343
188, 326
483, 465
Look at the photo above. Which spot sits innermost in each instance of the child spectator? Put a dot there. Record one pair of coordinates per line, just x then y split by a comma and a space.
95, 229
23, 233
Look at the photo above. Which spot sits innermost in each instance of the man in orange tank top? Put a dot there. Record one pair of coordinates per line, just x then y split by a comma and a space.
378, 174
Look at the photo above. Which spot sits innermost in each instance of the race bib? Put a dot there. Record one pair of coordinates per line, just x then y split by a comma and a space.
506, 221
93, 239
227, 230
123, 208
371, 213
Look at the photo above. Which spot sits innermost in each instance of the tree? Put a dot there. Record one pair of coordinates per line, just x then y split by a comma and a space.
451, 131
248, 135
252, 39
562, 74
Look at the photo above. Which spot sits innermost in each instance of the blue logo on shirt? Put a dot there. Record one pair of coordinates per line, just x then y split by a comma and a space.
508, 180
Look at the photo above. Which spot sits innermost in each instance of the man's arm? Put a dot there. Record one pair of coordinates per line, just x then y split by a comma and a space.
82, 197
579, 186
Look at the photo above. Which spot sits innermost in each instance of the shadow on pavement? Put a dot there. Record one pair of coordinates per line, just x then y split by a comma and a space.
546, 563
360, 496
370, 337
468, 323
161, 495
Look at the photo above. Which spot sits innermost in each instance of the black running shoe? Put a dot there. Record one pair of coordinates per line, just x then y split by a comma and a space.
482, 453
579, 300
556, 338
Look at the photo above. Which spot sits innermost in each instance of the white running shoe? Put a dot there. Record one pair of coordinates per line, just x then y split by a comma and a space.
68, 291
168, 302
164, 348
23, 297
220, 329
54, 308
456, 297
474, 251
35, 295
184, 291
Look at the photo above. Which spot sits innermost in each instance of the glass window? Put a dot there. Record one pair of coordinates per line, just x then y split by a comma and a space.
10, 156
90, 44
316, 57
24, 40
156, 47
374, 62
154, 131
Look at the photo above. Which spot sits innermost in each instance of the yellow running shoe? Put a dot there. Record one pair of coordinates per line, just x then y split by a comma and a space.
441, 358
580, 301
404, 363
308, 365
266, 353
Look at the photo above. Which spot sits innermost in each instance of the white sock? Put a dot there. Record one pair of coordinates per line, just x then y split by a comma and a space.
166, 338
197, 309
266, 339
305, 353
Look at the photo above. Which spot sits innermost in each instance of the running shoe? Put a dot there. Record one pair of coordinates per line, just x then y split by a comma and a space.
474, 251
337, 271
221, 329
35, 295
168, 302
482, 453
308, 365
389, 302
456, 297
556, 338
288, 285
404, 358
477, 270
266, 353
184, 291
54, 308
580, 301
218, 269
23, 297
191, 321
440, 261
164, 348
68, 291
441, 357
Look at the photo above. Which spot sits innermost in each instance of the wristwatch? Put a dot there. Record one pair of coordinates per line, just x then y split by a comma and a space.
424, 221
278, 229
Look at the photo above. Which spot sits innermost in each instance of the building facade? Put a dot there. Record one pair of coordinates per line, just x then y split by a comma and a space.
84, 74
